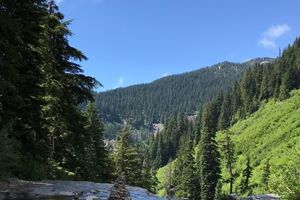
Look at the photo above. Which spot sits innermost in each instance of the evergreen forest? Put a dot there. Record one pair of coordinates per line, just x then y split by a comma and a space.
228, 128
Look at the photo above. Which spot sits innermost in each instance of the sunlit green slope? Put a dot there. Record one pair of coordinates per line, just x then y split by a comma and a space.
270, 135
163, 177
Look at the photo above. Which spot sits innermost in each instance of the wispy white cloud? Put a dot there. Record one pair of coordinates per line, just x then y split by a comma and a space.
120, 82
276, 31
267, 43
272, 34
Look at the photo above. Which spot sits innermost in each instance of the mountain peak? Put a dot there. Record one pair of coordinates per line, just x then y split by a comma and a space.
261, 60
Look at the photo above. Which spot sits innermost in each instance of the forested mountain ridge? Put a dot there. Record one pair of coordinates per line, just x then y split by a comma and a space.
246, 141
144, 104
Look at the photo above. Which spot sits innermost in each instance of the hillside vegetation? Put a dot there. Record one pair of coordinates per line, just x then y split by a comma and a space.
244, 141
163, 177
144, 104
270, 140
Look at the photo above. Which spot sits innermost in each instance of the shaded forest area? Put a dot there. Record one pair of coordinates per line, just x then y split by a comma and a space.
43, 132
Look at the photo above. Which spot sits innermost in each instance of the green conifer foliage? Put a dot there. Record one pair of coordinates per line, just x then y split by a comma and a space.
97, 162
245, 187
40, 89
209, 155
228, 155
130, 161
185, 172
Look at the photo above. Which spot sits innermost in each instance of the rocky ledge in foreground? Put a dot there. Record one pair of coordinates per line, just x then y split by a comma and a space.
65, 190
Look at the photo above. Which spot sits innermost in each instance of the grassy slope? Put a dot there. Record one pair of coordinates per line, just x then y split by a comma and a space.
272, 133
163, 178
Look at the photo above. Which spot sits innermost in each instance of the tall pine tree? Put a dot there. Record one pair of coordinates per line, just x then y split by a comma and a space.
228, 154
65, 87
98, 165
185, 172
209, 155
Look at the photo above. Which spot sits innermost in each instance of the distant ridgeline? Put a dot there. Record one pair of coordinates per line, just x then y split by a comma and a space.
244, 141
144, 104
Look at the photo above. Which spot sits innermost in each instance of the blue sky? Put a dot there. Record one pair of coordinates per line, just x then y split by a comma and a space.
138, 41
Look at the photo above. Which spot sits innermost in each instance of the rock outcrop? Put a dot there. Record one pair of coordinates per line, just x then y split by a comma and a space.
65, 190
119, 190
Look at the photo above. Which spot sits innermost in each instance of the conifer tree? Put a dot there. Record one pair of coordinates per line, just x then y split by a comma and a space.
236, 100
266, 175
133, 167
185, 172
197, 130
218, 101
209, 155
65, 87
225, 113
268, 83
149, 177
122, 147
159, 152
248, 92
245, 187
20, 62
98, 164
227, 151
286, 84
153, 147
128, 160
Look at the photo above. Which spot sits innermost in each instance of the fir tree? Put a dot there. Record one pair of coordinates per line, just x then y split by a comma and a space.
185, 172
159, 152
225, 113
65, 87
98, 164
149, 177
197, 130
266, 175
21, 57
128, 160
286, 84
227, 151
236, 100
245, 187
248, 92
209, 155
